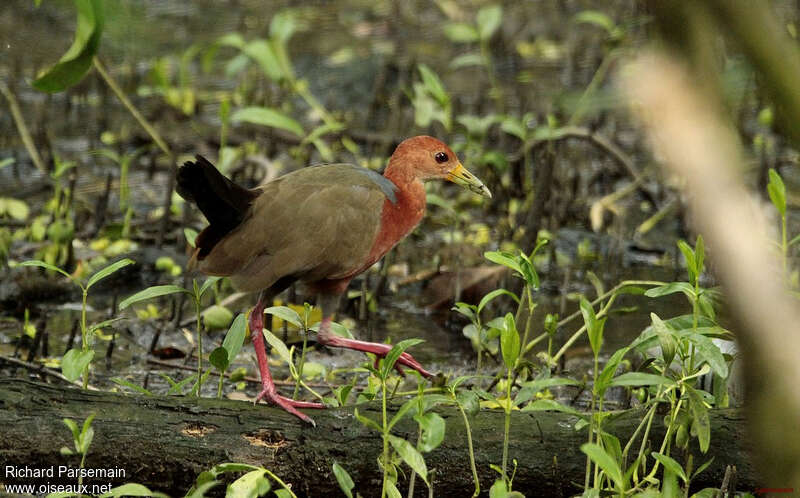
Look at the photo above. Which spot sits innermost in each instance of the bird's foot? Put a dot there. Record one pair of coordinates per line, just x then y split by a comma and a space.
290, 405
380, 350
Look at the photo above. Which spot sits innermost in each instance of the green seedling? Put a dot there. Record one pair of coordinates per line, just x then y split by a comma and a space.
196, 293
76, 361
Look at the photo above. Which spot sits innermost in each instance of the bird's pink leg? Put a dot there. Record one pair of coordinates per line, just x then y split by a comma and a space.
324, 336
268, 391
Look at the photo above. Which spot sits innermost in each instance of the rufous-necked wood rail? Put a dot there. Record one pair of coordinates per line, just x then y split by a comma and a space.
321, 225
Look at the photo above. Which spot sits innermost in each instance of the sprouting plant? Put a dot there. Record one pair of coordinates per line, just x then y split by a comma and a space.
291, 316
777, 194
594, 330
124, 162
483, 336
82, 439
196, 293
256, 481
468, 405
430, 100
222, 357
344, 480
406, 451
272, 57
487, 21
510, 347
523, 267
76, 361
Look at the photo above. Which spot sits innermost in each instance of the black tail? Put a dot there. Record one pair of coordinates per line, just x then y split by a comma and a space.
222, 202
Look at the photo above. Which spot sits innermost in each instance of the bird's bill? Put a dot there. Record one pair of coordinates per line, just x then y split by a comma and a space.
462, 177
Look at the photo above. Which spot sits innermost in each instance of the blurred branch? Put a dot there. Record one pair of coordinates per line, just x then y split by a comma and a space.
769, 49
24, 134
133, 110
685, 129
598, 140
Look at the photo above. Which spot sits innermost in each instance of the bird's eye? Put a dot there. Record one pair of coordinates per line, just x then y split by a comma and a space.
441, 157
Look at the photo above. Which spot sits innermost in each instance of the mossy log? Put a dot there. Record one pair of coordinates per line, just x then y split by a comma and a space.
165, 442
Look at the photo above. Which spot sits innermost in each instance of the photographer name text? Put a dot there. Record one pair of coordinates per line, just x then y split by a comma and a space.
62, 471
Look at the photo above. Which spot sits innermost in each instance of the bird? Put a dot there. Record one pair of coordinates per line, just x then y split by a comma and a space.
321, 226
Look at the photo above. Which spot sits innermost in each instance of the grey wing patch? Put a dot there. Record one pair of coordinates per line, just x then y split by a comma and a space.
388, 188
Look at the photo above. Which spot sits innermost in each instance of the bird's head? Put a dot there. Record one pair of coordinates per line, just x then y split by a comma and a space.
426, 158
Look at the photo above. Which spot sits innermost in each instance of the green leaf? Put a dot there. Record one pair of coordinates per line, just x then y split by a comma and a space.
699, 254
77, 60
489, 19
285, 313
150, 293
234, 339
131, 489
594, 327
391, 357
191, 235
131, 385
404, 409
495, 293
596, 18
469, 402
47, 266
410, 455
509, 341
466, 60
366, 421
15, 208
251, 485
108, 270
670, 464
710, 352
460, 32
217, 317
234, 40
346, 483
504, 258
608, 371
700, 421
603, 460
219, 358
208, 283
691, 262
433, 84
640, 379
703, 467
283, 25
550, 405
177, 387
498, 489
433, 430
777, 191
671, 288
529, 389
103, 324
276, 344
73, 427
266, 116
74, 362
263, 52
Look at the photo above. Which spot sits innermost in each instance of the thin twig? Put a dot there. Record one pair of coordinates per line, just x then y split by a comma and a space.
41, 369
24, 134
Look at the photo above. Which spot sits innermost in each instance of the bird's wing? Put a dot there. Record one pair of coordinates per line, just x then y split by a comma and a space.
312, 224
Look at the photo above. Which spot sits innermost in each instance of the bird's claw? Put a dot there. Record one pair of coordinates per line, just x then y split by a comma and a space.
404, 359
290, 405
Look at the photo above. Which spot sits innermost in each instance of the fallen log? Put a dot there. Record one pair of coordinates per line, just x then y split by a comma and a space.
165, 442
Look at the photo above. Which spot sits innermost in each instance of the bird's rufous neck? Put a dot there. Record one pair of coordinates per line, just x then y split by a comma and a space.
398, 218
